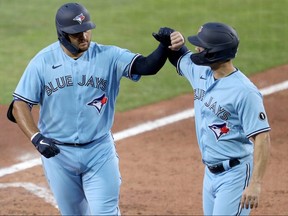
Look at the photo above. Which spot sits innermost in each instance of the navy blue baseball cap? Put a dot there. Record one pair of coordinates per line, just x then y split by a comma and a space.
215, 37
219, 41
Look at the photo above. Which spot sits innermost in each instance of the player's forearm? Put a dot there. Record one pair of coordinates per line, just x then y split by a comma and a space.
261, 156
151, 64
24, 118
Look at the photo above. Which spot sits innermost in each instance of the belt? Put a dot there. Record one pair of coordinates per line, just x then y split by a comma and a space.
219, 168
98, 140
74, 144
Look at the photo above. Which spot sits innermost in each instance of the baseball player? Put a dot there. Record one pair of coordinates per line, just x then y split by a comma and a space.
75, 82
231, 123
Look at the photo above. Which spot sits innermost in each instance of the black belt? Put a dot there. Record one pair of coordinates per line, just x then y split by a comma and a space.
75, 144
219, 168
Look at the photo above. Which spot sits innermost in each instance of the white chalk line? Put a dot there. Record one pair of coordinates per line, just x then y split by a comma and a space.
147, 126
41, 192
151, 125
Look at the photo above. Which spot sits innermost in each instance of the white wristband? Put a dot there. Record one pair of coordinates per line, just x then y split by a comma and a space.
34, 135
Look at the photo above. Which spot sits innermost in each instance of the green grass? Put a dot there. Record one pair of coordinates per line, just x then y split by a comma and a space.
28, 26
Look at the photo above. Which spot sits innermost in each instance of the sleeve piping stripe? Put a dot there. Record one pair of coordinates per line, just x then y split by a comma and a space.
258, 131
178, 64
25, 99
132, 61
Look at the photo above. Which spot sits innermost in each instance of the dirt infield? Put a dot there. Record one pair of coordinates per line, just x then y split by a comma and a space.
161, 169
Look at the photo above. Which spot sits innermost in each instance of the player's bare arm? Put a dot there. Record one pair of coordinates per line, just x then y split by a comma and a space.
22, 114
250, 197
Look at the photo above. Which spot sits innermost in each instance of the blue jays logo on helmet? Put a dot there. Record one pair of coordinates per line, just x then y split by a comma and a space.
219, 129
99, 102
79, 18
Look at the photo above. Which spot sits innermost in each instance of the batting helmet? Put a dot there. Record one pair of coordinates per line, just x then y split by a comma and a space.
220, 43
72, 18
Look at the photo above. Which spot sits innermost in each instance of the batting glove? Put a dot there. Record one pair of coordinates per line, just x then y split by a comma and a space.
163, 36
44, 145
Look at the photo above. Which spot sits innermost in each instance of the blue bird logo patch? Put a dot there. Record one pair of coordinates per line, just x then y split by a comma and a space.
99, 102
219, 129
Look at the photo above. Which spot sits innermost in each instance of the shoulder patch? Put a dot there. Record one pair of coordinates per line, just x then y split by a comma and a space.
262, 116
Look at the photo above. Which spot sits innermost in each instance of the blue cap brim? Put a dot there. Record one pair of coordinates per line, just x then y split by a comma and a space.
195, 41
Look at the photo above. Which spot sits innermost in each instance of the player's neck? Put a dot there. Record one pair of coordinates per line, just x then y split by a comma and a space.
74, 56
223, 69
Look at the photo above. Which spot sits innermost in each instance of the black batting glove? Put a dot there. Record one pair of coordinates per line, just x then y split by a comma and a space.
45, 146
163, 36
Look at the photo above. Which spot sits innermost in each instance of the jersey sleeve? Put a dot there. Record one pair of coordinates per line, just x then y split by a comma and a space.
252, 114
29, 87
124, 63
184, 64
191, 71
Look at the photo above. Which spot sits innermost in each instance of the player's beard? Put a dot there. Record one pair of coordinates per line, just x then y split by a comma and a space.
83, 46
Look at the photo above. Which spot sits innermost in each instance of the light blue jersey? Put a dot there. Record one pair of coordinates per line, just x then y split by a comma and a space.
77, 104
228, 112
87, 88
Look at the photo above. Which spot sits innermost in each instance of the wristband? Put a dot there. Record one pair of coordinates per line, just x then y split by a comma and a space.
34, 135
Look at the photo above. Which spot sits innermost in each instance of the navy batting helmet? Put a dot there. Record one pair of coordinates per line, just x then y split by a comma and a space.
72, 18
220, 43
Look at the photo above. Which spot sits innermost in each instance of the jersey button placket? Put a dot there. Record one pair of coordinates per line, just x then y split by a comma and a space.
203, 131
77, 95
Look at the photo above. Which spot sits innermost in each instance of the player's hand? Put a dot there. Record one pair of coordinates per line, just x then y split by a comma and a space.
163, 36
177, 41
250, 196
45, 146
